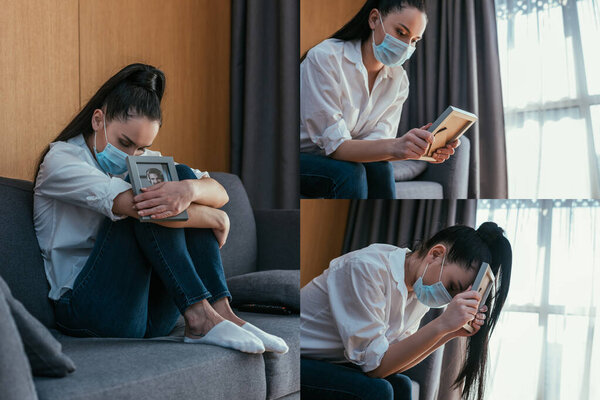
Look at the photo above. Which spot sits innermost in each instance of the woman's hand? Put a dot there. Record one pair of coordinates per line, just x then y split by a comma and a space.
413, 145
165, 199
444, 153
222, 232
476, 324
462, 309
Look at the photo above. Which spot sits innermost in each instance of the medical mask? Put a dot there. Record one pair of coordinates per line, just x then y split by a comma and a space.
111, 159
433, 296
391, 52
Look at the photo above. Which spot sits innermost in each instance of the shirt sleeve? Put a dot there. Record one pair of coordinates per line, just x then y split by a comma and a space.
387, 126
320, 101
65, 176
357, 302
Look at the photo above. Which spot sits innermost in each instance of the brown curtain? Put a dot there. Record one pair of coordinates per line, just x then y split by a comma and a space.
405, 223
457, 63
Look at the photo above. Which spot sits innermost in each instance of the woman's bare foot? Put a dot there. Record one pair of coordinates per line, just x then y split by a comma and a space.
223, 308
200, 318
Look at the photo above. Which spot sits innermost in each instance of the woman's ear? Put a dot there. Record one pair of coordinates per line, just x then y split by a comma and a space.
437, 252
97, 120
373, 18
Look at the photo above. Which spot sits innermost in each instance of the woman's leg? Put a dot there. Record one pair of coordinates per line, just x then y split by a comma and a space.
206, 256
322, 176
322, 380
402, 386
380, 178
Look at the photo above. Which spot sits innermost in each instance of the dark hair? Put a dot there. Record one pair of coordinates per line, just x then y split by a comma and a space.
136, 90
470, 247
358, 27
154, 171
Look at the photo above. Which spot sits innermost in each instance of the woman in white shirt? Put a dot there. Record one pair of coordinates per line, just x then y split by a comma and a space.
352, 89
360, 318
110, 274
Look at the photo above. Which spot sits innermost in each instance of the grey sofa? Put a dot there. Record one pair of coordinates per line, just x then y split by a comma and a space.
163, 368
422, 180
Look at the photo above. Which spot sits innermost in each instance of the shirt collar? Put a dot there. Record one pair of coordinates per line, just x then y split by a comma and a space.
396, 260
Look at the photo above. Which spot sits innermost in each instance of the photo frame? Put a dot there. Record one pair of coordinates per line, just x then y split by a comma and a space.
484, 282
449, 126
145, 171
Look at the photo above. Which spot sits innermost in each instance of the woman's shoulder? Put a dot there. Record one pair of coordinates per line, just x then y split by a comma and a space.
329, 50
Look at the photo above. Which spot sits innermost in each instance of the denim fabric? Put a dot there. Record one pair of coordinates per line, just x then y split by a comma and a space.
140, 277
324, 177
323, 380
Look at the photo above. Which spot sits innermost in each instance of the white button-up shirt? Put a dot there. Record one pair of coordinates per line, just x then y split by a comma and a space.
72, 196
357, 307
335, 104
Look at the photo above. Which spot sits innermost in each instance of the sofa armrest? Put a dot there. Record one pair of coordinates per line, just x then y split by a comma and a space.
278, 235
453, 174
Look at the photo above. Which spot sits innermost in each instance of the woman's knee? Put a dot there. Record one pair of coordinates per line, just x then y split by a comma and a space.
402, 386
351, 181
380, 389
185, 172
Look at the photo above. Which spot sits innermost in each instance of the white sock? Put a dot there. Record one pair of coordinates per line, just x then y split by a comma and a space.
271, 342
227, 334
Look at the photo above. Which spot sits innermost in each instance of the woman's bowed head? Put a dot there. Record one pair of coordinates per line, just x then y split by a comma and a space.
441, 272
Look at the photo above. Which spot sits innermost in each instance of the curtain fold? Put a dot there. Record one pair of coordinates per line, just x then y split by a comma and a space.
265, 100
405, 223
457, 63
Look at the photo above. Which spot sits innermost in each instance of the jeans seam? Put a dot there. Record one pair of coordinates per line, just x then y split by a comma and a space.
219, 296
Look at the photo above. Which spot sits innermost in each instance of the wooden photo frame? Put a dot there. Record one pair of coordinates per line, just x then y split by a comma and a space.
145, 171
449, 126
484, 282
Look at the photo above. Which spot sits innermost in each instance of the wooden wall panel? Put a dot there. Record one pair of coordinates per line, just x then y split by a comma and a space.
39, 89
322, 228
320, 19
188, 40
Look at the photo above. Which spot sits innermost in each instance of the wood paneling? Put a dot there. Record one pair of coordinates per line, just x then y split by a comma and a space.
39, 88
189, 41
322, 228
56, 53
319, 19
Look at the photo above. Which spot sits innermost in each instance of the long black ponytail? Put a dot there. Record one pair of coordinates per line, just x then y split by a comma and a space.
135, 90
358, 27
470, 247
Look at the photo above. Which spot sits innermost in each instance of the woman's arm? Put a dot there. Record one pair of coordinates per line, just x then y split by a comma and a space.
205, 191
408, 352
199, 216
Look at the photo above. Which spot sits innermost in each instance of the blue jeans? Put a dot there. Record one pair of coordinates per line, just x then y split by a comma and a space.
324, 177
320, 380
140, 277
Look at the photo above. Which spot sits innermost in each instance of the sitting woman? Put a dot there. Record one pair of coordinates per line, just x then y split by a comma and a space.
110, 274
352, 89
360, 318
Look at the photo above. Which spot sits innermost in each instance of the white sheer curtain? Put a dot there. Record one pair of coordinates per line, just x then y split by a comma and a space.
550, 67
547, 341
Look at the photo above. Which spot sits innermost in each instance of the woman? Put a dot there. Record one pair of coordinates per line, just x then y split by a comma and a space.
352, 89
360, 318
110, 274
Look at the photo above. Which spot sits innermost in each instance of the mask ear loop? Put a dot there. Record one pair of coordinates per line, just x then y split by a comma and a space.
442, 269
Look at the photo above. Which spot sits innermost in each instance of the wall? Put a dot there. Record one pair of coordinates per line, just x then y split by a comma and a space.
322, 228
320, 19
56, 53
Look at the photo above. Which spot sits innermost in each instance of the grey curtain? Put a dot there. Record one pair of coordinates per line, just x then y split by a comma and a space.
265, 100
405, 223
457, 63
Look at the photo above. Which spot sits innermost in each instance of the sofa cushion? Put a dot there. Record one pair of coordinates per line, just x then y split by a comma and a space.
240, 252
158, 368
274, 287
22, 267
408, 170
43, 351
419, 190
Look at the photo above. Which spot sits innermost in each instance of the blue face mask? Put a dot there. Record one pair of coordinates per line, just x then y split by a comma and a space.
433, 296
391, 52
111, 159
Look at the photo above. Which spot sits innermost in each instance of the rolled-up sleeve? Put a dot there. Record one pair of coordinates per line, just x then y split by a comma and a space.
320, 103
357, 304
66, 177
